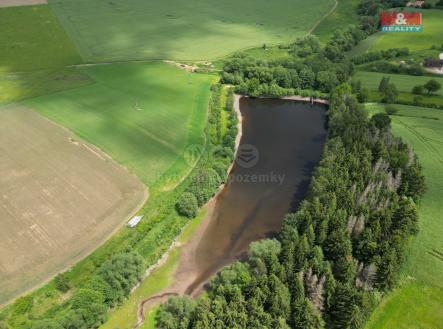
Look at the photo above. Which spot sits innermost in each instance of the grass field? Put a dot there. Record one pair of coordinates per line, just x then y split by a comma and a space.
142, 114
431, 35
404, 83
33, 39
418, 303
191, 30
344, 15
54, 211
16, 86
34, 54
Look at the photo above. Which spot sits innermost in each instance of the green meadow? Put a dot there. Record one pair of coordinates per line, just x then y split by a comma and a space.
183, 30
340, 18
404, 83
418, 302
431, 35
142, 114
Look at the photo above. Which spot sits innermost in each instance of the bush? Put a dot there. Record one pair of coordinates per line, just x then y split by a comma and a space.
432, 86
418, 90
121, 273
23, 305
221, 168
381, 121
187, 205
391, 110
417, 100
62, 282
204, 183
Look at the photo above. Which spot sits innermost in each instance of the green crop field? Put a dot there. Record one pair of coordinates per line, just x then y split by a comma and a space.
141, 114
32, 38
418, 303
35, 50
183, 30
431, 35
404, 83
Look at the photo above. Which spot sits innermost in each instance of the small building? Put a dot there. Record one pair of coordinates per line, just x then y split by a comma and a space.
434, 63
134, 221
415, 4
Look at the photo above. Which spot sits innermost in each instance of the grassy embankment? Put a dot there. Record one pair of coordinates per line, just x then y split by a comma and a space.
418, 302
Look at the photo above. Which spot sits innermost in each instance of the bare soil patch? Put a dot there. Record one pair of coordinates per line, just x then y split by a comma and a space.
15, 3
59, 199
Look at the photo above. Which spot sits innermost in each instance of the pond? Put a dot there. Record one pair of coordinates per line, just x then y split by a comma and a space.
282, 142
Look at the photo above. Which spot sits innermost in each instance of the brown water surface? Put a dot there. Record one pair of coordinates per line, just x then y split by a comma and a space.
282, 142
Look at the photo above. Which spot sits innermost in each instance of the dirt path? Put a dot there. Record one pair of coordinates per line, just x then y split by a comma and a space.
16, 3
322, 19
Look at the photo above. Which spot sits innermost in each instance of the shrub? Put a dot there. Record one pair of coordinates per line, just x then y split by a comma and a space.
187, 205
84, 298
121, 273
23, 305
381, 120
62, 282
418, 90
417, 100
221, 169
204, 183
432, 86
390, 93
391, 110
